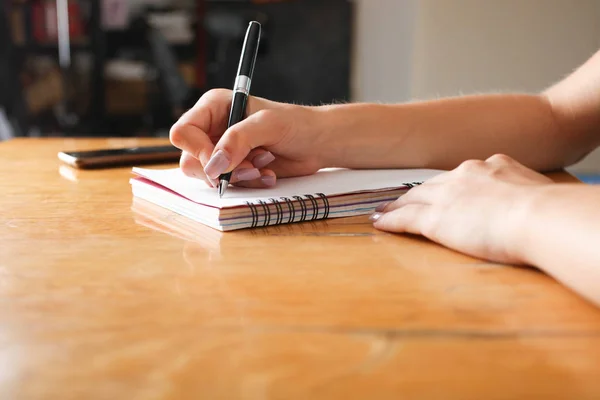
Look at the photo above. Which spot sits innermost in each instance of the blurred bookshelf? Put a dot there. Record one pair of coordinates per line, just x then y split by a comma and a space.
95, 79
131, 67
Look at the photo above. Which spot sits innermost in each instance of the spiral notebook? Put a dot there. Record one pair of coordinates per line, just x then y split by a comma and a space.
329, 193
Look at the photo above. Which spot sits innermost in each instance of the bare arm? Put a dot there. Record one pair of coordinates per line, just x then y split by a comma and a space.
562, 236
547, 131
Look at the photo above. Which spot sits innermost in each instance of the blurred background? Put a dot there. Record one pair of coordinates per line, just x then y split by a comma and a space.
130, 67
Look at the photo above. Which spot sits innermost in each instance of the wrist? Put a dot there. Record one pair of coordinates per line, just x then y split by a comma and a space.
528, 203
332, 145
350, 135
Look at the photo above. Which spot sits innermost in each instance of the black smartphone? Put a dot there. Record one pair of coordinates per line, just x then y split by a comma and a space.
103, 158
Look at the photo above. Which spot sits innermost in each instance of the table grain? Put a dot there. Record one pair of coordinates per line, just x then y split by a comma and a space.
105, 297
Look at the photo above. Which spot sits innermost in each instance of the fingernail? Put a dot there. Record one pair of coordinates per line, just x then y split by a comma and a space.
268, 180
382, 206
246, 174
375, 216
263, 159
217, 164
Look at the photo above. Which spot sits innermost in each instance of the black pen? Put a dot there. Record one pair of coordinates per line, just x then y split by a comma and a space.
241, 87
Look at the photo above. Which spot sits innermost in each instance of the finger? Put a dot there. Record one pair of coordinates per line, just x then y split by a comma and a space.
191, 132
191, 167
424, 194
267, 179
440, 178
260, 158
411, 218
392, 205
264, 128
244, 172
192, 140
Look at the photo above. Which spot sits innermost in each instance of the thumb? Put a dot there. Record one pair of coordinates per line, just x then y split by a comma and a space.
264, 128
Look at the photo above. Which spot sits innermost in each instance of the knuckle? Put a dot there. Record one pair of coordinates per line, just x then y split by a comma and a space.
217, 94
265, 116
470, 165
234, 140
234, 133
212, 96
269, 121
500, 158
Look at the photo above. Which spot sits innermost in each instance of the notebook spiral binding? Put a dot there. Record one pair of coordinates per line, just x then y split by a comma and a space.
309, 208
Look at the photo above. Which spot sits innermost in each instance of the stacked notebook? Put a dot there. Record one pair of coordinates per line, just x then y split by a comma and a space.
329, 193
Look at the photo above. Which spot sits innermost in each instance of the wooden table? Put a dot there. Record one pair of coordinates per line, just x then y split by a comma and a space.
106, 298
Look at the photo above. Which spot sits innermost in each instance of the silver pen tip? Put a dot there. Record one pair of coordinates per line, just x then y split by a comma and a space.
222, 187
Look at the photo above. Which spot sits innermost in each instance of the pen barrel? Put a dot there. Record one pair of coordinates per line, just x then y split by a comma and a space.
238, 108
250, 49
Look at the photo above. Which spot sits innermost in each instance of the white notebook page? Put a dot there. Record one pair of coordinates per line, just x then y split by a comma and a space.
331, 181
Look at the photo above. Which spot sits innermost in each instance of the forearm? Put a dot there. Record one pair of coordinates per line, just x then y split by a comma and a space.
559, 233
443, 133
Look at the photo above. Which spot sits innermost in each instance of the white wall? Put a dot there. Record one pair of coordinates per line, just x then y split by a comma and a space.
510, 45
384, 43
419, 49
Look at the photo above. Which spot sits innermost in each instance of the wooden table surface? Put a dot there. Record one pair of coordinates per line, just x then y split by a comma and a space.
104, 297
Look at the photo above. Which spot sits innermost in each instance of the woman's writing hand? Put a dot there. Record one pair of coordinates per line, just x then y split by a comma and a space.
274, 140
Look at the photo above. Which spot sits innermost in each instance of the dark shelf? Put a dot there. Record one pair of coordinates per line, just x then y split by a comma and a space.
50, 48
